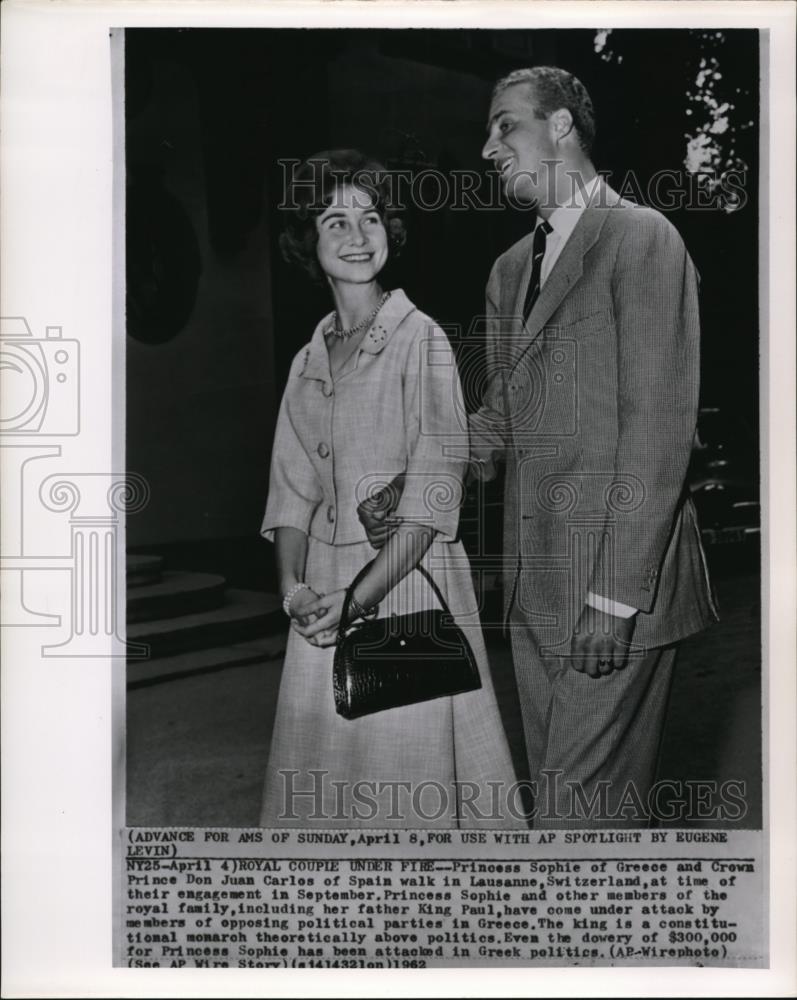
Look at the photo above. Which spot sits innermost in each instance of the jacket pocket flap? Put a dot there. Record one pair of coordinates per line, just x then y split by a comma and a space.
584, 326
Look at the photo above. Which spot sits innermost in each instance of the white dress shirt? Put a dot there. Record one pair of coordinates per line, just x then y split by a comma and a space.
563, 221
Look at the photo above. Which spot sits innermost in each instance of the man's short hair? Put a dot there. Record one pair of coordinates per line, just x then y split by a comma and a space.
553, 89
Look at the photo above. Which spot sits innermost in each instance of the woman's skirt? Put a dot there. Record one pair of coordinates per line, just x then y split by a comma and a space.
443, 763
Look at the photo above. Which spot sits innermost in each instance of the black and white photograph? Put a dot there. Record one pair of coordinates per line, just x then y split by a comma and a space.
398, 498
345, 291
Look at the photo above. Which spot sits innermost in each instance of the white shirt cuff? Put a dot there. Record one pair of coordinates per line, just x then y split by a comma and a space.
609, 607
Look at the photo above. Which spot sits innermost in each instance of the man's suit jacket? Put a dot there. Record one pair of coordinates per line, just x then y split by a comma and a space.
594, 403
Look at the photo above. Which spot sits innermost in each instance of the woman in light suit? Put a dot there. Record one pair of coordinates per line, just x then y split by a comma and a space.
371, 396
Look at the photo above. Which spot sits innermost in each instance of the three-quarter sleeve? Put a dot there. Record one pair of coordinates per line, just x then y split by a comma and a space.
436, 428
294, 490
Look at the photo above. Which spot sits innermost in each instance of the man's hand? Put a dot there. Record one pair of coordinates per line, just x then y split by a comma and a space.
601, 642
376, 510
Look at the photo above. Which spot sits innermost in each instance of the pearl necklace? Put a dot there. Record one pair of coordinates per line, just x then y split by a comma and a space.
337, 331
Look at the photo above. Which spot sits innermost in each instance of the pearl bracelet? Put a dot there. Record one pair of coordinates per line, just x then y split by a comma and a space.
286, 600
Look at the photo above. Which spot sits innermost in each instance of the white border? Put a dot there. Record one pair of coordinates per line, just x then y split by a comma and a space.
56, 268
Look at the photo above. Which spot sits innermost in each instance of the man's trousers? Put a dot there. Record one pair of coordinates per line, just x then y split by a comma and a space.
592, 743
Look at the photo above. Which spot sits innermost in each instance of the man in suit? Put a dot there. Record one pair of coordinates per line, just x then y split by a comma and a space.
592, 353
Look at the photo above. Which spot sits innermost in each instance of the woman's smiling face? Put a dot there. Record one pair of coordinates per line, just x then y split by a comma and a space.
352, 241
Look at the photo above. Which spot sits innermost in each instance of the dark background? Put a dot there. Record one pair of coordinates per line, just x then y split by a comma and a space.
215, 315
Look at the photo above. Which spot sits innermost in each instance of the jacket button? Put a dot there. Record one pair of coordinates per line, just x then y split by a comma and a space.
327, 389
323, 450
331, 514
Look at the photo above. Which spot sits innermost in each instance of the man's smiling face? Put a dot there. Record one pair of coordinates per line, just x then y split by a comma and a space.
521, 146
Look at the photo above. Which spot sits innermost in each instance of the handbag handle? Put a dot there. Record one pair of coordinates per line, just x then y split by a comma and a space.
344, 615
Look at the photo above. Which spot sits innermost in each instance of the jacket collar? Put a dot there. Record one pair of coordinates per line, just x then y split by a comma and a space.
566, 271
388, 320
564, 219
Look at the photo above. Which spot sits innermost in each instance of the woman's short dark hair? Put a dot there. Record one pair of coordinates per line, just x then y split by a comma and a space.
311, 190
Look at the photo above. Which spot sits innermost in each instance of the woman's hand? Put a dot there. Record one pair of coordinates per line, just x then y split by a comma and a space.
322, 616
300, 603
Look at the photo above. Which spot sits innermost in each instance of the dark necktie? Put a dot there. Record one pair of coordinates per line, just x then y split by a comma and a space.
538, 251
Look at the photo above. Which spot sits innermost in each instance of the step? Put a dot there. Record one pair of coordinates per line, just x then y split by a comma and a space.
143, 569
246, 614
175, 594
143, 673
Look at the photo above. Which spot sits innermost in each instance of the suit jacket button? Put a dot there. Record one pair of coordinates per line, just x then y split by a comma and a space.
331, 514
323, 450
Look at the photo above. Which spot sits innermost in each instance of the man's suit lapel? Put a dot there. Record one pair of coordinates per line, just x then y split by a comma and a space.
565, 273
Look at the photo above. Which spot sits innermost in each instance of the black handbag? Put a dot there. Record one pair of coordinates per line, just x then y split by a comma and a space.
400, 660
